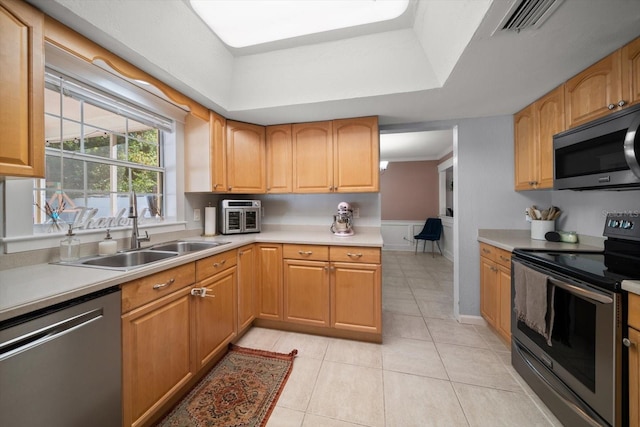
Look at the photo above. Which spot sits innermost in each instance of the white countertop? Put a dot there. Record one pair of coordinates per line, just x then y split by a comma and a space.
521, 239
632, 286
26, 289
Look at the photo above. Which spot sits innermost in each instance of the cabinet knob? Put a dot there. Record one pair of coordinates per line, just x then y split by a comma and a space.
230, 188
163, 285
611, 106
622, 103
627, 342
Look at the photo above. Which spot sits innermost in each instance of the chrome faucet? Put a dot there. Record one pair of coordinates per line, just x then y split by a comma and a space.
133, 214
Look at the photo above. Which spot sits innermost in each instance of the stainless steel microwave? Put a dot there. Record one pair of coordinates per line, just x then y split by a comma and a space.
240, 216
603, 154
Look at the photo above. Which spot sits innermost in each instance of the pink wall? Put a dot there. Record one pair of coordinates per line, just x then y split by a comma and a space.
409, 191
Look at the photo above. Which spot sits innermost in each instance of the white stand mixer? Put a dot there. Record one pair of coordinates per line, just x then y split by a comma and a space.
343, 220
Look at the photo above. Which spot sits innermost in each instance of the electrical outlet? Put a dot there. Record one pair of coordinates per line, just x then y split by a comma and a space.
356, 212
196, 214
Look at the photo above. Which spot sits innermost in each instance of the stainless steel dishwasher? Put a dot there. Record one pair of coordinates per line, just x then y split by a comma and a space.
61, 366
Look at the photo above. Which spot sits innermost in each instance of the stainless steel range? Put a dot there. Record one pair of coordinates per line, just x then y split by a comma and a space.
568, 323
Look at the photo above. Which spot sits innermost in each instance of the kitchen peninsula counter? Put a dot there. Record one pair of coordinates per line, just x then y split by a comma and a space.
521, 239
27, 289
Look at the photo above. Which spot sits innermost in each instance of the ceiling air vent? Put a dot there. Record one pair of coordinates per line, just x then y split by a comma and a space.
528, 14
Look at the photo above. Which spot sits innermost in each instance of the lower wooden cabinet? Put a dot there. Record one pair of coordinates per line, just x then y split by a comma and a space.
156, 355
269, 281
495, 288
356, 297
306, 292
215, 315
335, 287
633, 334
246, 286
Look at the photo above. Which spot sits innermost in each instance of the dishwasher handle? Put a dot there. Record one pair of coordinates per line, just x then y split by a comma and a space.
33, 339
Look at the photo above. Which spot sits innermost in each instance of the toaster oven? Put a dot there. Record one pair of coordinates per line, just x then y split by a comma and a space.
240, 216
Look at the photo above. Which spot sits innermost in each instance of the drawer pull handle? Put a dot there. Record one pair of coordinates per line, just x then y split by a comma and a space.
163, 285
305, 252
201, 292
358, 255
486, 251
504, 258
218, 264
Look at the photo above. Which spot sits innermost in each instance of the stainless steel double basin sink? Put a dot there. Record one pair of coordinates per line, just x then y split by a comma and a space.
135, 258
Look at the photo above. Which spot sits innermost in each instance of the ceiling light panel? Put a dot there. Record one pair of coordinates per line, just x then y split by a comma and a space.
242, 23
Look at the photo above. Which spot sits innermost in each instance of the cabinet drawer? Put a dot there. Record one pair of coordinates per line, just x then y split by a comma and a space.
310, 252
214, 264
355, 254
503, 257
141, 291
488, 251
634, 311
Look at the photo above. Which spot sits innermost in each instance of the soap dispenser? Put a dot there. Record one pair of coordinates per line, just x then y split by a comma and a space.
108, 246
69, 247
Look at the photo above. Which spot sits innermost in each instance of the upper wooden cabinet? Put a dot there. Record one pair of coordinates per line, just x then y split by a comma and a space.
524, 149
245, 158
356, 155
205, 154
534, 128
21, 90
338, 156
312, 157
595, 92
631, 72
279, 159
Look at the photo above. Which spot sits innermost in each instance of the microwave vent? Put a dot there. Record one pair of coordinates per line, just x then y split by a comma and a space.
528, 14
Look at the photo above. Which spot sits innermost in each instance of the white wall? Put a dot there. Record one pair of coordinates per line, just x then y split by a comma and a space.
484, 198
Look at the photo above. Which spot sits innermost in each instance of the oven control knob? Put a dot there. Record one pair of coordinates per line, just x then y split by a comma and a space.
614, 223
627, 225
627, 342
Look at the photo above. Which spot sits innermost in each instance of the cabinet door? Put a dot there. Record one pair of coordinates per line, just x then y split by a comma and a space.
489, 292
21, 90
525, 159
549, 120
306, 292
245, 158
205, 154
246, 286
595, 92
352, 282
356, 155
269, 282
634, 378
215, 315
279, 159
504, 314
218, 143
631, 72
156, 355
312, 157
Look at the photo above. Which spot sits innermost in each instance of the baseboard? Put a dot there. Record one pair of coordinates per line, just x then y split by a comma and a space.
472, 320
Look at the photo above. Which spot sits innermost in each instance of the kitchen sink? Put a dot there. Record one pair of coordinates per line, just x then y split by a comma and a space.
140, 257
185, 246
125, 260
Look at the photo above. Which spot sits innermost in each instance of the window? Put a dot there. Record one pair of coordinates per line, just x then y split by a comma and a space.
98, 150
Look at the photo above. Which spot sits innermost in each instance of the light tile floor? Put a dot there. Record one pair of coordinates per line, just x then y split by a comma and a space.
430, 370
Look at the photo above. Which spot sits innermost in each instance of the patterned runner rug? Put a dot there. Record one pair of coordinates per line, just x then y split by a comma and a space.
240, 391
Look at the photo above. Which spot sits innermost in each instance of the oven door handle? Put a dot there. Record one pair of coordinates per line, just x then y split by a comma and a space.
595, 296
